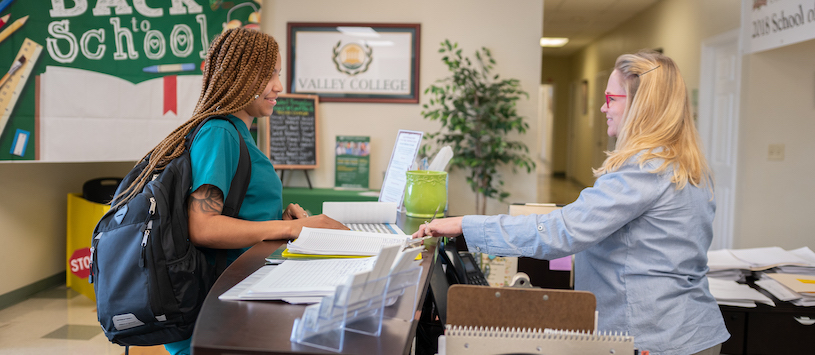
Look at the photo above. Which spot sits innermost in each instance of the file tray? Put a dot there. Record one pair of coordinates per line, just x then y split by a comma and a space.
357, 307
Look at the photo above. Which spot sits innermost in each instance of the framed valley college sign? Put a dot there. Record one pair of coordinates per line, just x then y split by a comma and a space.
354, 62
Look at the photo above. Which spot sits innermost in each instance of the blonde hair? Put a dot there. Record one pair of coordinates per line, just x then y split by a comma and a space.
238, 65
657, 120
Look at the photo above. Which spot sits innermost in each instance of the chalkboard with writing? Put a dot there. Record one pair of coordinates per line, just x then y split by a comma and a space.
293, 132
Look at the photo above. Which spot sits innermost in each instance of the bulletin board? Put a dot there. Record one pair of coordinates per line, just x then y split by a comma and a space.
104, 80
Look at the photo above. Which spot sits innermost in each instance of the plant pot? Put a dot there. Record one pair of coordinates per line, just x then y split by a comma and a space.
425, 193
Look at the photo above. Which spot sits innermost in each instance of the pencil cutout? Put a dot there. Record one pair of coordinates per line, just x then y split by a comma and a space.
168, 68
4, 19
13, 27
4, 4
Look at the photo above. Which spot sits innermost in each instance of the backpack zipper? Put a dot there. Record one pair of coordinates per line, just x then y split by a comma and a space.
147, 231
93, 258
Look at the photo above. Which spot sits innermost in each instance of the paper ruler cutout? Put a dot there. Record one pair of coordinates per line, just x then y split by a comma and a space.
10, 91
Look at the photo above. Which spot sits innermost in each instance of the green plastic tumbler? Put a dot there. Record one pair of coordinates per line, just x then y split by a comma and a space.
425, 193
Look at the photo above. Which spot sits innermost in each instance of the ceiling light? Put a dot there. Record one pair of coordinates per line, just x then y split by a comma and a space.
553, 41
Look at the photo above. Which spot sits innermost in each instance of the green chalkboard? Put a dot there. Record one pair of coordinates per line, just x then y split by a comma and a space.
293, 140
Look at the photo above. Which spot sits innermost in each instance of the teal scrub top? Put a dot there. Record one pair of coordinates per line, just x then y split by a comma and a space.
214, 158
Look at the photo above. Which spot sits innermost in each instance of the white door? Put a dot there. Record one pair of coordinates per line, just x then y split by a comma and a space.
546, 119
718, 126
602, 142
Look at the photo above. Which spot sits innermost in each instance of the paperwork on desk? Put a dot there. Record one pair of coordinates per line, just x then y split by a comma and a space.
731, 293
771, 265
794, 288
735, 264
319, 241
307, 281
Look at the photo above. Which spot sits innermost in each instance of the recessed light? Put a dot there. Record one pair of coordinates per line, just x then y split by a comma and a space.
553, 41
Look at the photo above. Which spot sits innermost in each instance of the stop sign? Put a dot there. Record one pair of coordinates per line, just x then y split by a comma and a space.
80, 263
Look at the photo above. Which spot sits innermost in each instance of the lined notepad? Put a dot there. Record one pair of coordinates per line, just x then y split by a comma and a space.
318, 241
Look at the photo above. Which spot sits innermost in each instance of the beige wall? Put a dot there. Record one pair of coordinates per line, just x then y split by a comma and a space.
33, 198
33, 195
472, 24
775, 201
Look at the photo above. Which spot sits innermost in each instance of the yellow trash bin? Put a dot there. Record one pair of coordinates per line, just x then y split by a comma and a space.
82, 218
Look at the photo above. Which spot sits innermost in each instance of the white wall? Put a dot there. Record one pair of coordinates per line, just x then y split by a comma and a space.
775, 199
33, 195
511, 31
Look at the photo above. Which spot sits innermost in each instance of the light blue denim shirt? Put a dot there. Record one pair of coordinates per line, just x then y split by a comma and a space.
641, 249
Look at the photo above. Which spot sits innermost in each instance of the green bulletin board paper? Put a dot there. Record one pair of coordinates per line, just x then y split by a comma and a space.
131, 41
352, 166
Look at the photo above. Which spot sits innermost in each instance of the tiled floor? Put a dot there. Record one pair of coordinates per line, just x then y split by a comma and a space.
62, 321
57, 321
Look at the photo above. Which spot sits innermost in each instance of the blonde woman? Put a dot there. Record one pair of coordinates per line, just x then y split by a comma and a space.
241, 80
642, 232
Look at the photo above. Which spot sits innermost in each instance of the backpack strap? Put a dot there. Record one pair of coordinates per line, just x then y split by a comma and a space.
240, 182
237, 189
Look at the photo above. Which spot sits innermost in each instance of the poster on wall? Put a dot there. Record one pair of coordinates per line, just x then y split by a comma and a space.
104, 80
768, 24
352, 165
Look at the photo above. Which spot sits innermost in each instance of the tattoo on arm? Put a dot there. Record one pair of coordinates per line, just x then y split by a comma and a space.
207, 199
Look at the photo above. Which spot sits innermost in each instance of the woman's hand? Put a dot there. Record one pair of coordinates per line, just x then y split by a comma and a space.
318, 221
294, 211
443, 227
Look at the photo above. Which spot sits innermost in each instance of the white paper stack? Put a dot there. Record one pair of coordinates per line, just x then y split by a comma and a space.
731, 293
805, 254
724, 265
770, 257
319, 241
735, 264
307, 281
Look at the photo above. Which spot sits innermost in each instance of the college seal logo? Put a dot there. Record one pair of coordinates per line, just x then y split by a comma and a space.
352, 58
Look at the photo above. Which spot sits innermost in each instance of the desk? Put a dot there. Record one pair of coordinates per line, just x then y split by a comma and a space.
312, 199
768, 330
264, 327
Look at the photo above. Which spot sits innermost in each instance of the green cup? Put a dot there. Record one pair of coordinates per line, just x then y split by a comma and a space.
425, 193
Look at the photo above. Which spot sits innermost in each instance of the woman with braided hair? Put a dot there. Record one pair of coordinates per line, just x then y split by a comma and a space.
640, 235
241, 80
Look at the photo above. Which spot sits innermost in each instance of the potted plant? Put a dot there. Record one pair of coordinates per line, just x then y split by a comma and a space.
477, 111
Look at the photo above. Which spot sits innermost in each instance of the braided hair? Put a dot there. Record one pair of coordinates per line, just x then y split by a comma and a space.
238, 65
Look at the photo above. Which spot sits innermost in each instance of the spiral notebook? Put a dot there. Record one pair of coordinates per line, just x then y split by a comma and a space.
510, 320
459, 340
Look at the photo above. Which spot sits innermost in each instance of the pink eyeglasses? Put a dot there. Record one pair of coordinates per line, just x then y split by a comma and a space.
608, 100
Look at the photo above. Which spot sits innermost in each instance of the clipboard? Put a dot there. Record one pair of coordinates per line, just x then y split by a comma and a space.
508, 320
479, 306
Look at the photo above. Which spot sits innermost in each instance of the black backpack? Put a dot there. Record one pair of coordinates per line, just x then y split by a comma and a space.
149, 280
